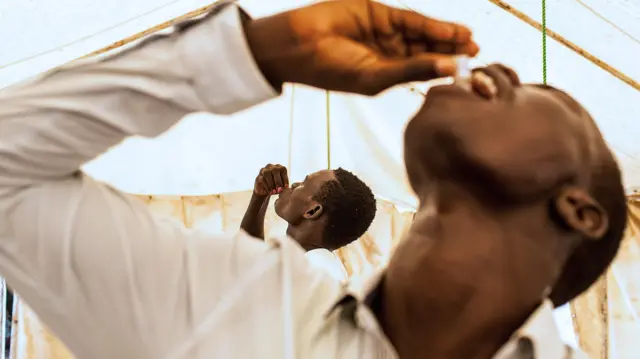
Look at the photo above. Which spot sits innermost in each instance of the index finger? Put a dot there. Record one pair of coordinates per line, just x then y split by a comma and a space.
416, 26
285, 177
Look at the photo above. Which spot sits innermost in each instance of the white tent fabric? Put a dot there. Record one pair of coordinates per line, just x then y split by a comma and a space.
38, 35
208, 154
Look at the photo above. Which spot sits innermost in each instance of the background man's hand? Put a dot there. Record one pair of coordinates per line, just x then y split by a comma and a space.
357, 46
272, 179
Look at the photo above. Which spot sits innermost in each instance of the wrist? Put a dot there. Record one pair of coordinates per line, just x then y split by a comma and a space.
259, 197
269, 43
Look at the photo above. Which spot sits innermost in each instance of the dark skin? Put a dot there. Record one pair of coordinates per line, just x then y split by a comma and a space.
305, 216
502, 172
355, 46
487, 165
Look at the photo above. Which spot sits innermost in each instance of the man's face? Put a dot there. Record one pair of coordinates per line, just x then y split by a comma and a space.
512, 148
295, 203
489, 173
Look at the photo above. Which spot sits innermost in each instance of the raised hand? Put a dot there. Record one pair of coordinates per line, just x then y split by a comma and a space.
271, 180
357, 46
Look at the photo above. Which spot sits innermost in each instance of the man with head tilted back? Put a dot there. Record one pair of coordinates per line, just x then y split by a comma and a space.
515, 184
327, 210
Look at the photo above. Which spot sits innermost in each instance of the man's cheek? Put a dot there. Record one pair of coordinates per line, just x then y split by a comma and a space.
528, 175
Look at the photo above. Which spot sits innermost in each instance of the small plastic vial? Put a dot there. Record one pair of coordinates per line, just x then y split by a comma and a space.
464, 72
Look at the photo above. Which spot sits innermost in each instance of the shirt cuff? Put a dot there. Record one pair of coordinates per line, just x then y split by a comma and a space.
226, 75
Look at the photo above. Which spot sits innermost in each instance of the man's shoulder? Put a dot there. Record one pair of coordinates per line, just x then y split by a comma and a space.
322, 254
311, 261
328, 262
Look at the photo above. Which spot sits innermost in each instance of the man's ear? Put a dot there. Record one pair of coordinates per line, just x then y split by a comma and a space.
580, 212
314, 211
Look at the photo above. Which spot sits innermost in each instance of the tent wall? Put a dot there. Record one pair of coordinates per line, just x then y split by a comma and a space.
214, 154
207, 153
42, 34
605, 318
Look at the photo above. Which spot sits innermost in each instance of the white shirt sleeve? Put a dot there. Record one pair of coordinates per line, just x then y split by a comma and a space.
328, 262
109, 279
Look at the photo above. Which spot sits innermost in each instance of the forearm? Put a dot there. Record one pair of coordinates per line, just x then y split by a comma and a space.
51, 126
253, 220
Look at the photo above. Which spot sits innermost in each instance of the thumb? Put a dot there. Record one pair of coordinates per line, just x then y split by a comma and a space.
424, 67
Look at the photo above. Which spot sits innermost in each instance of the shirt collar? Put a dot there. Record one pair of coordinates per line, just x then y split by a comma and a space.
539, 333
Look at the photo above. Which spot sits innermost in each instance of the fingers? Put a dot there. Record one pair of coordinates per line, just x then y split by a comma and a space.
386, 73
278, 183
280, 178
414, 48
469, 49
417, 27
273, 178
285, 177
495, 80
268, 181
260, 186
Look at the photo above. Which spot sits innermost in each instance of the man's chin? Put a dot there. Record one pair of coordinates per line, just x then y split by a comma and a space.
276, 208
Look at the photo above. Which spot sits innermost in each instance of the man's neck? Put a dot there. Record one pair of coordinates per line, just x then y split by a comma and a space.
453, 303
464, 336
307, 239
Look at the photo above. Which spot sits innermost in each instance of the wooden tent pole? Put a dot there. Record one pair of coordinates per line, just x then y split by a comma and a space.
575, 48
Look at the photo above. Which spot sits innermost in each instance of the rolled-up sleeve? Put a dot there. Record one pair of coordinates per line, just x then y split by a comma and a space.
92, 262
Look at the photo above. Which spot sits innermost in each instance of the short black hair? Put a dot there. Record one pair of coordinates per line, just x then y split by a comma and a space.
350, 206
592, 258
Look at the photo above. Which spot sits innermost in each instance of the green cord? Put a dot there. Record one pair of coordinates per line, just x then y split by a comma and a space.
544, 42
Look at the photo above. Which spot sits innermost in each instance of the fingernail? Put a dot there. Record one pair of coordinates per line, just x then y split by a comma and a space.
446, 66
279, 189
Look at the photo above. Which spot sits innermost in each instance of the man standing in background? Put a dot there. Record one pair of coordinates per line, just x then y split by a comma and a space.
326, 211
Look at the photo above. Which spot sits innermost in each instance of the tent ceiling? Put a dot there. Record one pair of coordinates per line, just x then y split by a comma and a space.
39, 34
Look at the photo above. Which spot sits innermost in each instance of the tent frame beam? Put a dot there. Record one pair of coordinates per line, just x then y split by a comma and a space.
570, 45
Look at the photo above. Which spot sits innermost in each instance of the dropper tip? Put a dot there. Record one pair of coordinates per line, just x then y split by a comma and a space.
462, 67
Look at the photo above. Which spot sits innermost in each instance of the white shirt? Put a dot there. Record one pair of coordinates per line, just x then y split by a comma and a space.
328, 262
111, 280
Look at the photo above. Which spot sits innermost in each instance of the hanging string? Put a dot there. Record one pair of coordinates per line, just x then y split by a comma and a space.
544, 42
291, 118
328, 109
